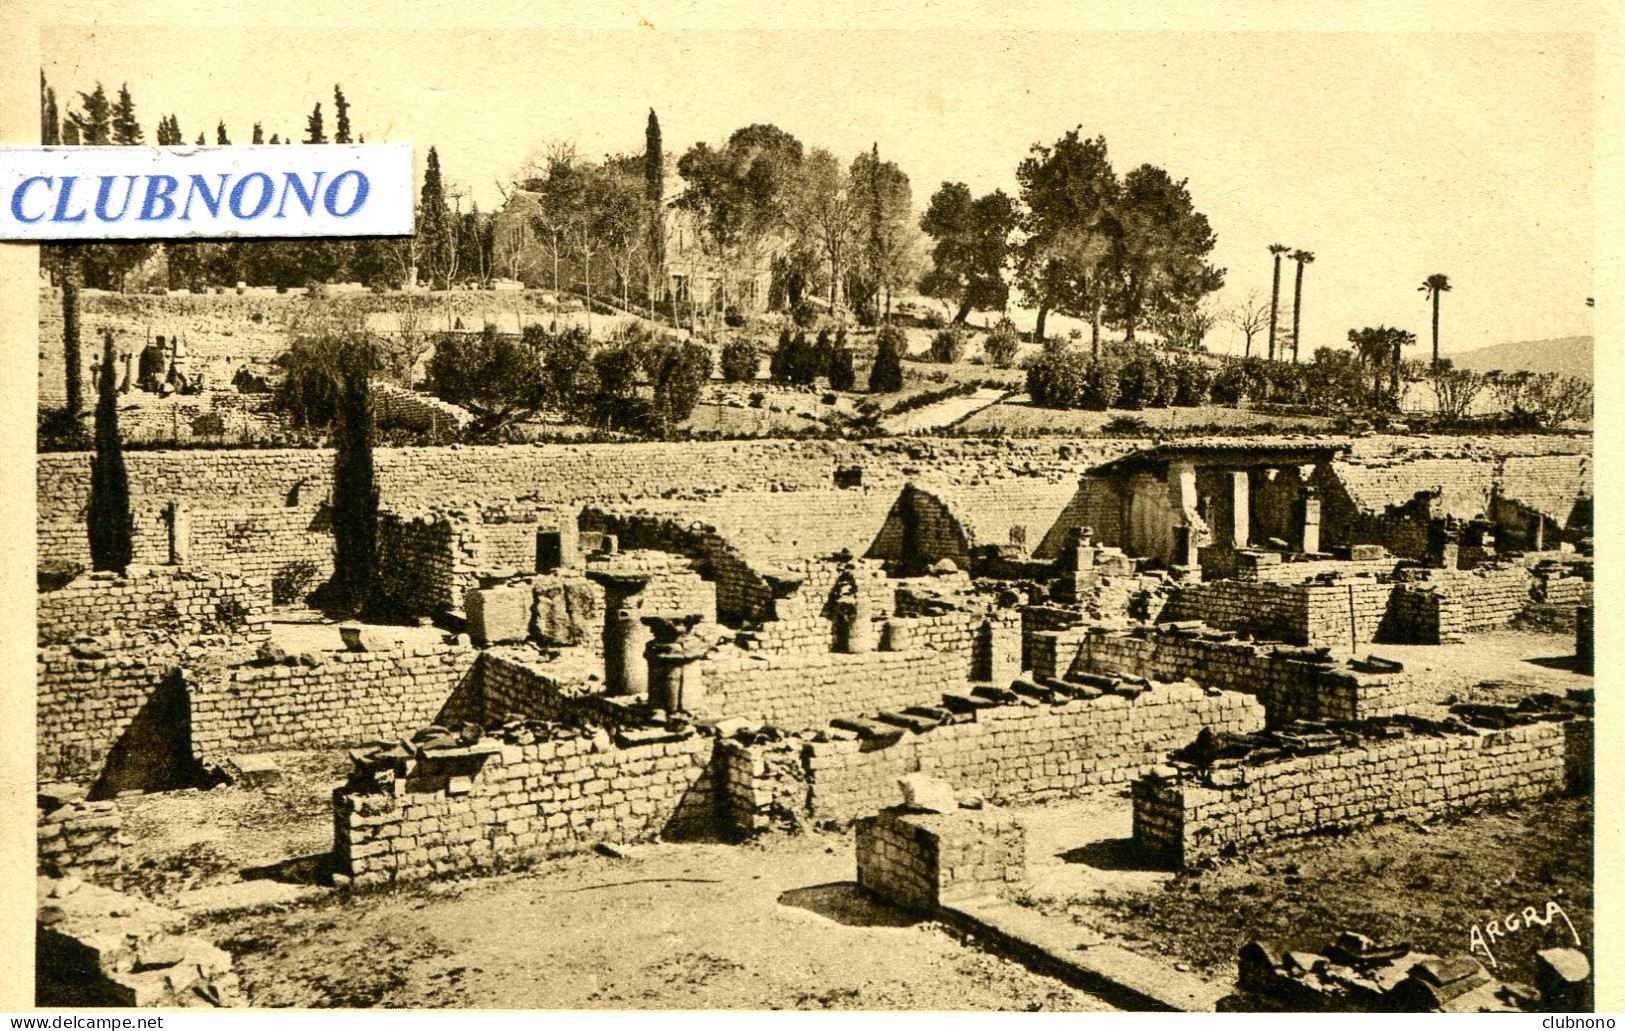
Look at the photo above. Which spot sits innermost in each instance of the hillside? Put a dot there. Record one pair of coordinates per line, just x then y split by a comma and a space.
1570, 356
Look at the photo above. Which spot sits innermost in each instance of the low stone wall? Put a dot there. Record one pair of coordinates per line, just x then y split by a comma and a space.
397, 406
461, 809
924, 860
348, 698
1189, 816
1289, 686
179, 603
1013, 754
84, 839
797, 691
1559, 589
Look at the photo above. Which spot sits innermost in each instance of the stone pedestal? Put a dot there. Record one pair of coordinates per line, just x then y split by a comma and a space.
922, 861
625, 671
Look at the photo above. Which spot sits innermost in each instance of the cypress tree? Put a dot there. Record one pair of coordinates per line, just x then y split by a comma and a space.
259, 135
654, 187
313, 126
220, 137
355, 492
109, 511
72, 357
886, 375
92, 127
50, 122
126, 131
341, 108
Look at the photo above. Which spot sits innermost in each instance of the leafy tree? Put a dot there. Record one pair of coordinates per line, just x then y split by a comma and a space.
108, 514
1455, 389
341, 116
678, 372
1433, 287
1379, 350
1335, 381
126, 130
1163, 243
1070, 197
314, 133
883, 224
497, 376
741, 192
739, 360
1556, 399
1002, 343
886, 374
972, 242
821, 213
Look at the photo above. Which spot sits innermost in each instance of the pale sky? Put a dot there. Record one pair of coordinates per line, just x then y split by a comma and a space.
1389, 155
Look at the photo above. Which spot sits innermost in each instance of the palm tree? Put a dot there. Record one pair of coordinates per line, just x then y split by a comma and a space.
1276, 249
1302, 258
1433, 286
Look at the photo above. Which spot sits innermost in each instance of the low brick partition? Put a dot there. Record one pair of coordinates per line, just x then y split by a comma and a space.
84, 839
1012, 754
347, 698
921, 861
433, 811
799, 691
224, 608
1289, 685
1389, 772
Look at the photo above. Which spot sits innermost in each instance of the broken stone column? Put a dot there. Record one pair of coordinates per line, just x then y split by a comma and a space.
625, 671
1311, 521
179, 518
1240, 509
854, 630
673, 683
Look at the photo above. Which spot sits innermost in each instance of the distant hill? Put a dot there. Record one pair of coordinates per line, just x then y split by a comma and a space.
1570, 356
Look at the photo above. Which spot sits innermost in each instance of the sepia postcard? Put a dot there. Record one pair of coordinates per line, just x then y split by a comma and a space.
649, 509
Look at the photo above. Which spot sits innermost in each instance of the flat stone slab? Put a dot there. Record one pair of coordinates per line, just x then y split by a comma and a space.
1121, 977
244, 895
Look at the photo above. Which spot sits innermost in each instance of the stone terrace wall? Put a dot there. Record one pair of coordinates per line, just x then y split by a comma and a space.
1189, 820
84, 839
183, 603
396, 406
1314, 614
1289, 688
468, 809
349, 698
257, 541
1015, 754
796, 691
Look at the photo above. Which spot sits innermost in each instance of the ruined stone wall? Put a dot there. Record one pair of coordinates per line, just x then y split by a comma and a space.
1188, 817
1267, 611
1298, 572
422, 564
349, 697
397, 406
1289, 688
520, 682
184, 603
795, 691
449, 813
1556, 588
87, 697
84, 839
1013, 754
924, 860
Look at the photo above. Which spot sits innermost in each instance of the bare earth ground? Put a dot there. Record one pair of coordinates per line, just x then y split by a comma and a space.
1019, 415
1423, 884
774, 926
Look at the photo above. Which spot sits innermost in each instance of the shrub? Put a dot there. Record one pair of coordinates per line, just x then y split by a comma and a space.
1127, 426
1002, 343
886, 375
1229, 385
1056, 379
933, 319
1102, 384
804, 314
948, 345
1193, 382
841, 374
291, 582
733, 318
739, 361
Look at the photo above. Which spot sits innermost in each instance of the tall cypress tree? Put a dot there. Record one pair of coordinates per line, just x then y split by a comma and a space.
108, 518
654, 187
313, 126
126, 131
355, 492
341, 108
93, 127
50, 122
72, 357
259, 135
220, 137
